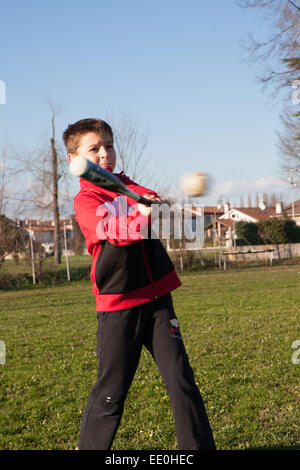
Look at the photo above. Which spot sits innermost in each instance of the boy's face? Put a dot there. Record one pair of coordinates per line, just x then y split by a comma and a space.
97, 149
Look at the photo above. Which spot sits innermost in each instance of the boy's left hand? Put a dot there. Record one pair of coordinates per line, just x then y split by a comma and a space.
146, 210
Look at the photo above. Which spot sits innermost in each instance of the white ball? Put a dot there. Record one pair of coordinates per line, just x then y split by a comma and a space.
78, 166
194, 183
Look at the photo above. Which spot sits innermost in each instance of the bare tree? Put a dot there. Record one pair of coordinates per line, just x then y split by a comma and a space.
279, 52
46, 172
12, 201
257, 199
289, 139
55, 177
280, 55
132, 147
3, 181
13, 238
265, 198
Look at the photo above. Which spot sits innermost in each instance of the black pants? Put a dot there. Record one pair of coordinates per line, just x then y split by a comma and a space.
121, 335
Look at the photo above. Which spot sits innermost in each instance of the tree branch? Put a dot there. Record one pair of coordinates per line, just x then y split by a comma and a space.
294, 5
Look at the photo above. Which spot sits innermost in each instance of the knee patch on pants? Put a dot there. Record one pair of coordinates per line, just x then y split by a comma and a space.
113, 405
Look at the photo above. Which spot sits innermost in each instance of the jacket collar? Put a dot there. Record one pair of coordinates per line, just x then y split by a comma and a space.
84, 184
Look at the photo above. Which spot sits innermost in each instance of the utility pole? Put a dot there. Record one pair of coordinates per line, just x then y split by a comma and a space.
32, 253
293, 184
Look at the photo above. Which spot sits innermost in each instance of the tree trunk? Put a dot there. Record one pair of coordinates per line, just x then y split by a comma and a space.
57, 255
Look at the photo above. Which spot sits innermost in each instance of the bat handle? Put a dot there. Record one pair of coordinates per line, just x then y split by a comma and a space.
148, 202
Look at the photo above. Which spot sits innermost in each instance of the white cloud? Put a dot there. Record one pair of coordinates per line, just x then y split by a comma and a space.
268, 184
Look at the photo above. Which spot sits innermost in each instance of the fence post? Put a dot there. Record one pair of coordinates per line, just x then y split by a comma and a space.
32, 254
66, 250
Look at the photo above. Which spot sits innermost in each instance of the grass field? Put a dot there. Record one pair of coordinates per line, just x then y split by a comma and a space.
238, 327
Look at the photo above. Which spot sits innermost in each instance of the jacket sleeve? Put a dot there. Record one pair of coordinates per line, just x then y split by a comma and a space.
98, 222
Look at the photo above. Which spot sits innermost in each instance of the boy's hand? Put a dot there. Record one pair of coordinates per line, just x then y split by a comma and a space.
146, 210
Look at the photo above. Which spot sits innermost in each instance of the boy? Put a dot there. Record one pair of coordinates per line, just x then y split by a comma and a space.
132, 279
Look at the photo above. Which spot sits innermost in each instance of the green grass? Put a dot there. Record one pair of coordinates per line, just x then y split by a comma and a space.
238, 327
24, 266
19, 275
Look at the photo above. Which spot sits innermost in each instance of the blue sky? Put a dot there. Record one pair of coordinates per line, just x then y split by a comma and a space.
175, 66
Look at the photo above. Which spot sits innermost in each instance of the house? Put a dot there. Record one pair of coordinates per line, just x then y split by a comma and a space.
211, 213
225, 224
247, 214
43, 232
291, 210
201, 218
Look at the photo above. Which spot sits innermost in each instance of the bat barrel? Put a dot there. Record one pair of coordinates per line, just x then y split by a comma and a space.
85, 169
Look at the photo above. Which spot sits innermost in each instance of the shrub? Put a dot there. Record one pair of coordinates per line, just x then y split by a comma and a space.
247, 233
279, 230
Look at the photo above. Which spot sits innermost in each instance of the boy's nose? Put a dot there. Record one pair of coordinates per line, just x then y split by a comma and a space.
103, 152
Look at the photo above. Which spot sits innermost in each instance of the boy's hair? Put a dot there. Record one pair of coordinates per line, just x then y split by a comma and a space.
74, 132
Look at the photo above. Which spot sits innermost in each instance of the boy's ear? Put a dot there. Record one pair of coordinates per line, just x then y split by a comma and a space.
70, 156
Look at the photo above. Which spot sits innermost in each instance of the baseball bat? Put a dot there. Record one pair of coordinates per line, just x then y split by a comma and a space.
89, 171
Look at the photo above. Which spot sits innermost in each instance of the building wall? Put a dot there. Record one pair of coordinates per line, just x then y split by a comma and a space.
237, 216
280, 252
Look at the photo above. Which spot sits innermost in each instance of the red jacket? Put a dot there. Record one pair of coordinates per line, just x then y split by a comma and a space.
128, 267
